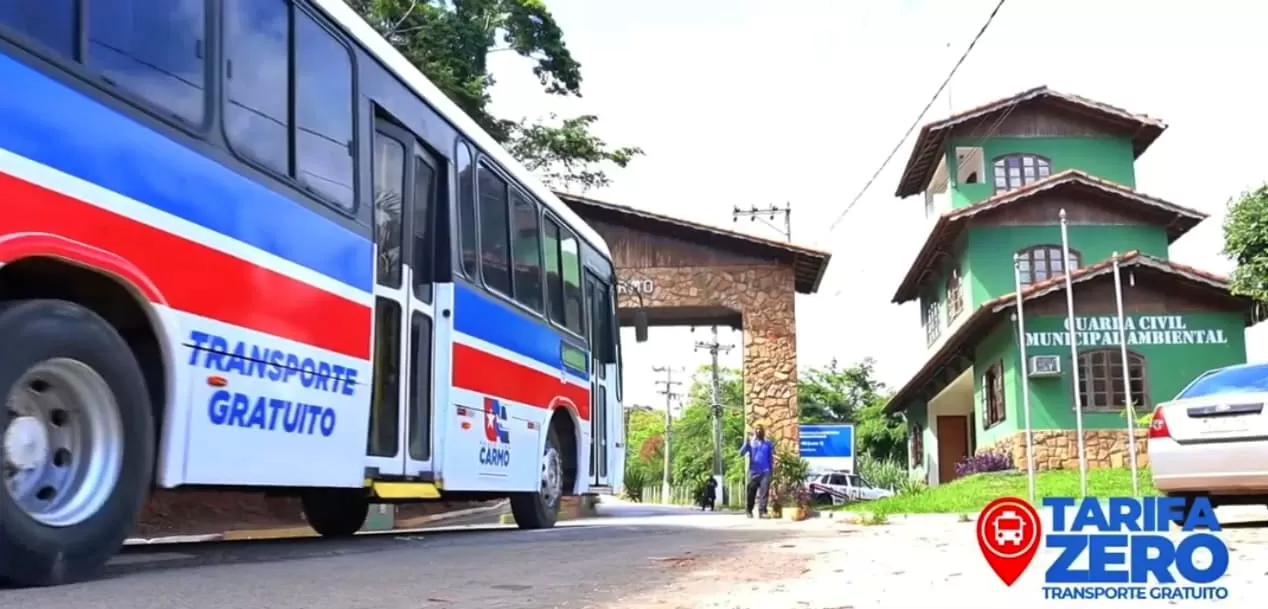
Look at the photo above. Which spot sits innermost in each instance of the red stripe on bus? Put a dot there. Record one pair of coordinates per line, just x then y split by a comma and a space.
193, 277
488, 374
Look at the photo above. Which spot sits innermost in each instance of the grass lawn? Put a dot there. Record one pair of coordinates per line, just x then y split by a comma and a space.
969, 495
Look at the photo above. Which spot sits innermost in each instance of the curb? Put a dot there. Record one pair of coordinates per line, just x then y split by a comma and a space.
411, 525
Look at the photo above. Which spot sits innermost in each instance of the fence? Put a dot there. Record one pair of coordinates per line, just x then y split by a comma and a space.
731, 496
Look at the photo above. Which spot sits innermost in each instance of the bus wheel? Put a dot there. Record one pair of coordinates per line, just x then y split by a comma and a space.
540, 510
77, 450
335, 512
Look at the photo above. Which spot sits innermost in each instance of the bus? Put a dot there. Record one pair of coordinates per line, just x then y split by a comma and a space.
246, 245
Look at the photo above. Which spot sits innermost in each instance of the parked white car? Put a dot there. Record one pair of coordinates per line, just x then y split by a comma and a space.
840, 486
1212, 438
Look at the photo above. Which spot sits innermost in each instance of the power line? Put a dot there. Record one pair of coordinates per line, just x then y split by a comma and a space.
919, 118
974, 155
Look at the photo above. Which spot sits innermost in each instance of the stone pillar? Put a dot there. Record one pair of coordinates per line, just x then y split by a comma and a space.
765, 298
770, 369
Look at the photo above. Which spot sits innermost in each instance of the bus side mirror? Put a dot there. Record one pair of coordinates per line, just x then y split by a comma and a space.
640, 326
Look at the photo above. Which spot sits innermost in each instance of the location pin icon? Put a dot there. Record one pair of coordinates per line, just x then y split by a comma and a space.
1008, 531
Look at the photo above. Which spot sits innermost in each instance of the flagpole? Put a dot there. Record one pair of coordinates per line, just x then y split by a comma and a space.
1025, 380
1127, 383
1074, 353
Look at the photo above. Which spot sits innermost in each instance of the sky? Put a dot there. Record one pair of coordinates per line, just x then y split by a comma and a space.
755, 102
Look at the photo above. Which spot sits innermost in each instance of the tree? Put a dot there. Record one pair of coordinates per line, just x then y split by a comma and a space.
450, 42
1246, 242
644, 441
691, 438
853, 395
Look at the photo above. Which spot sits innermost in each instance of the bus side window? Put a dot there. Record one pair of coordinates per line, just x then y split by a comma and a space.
270, 113
526, 245
495, 232
51, 23
470, 254
257, 115
554, 272
570, 256
154, 49
323, 112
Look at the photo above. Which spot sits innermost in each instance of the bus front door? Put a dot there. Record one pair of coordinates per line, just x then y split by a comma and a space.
407, 179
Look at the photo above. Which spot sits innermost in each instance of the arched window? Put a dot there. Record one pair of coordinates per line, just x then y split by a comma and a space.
955, 296
1017, 170
1101, 379
1043, 262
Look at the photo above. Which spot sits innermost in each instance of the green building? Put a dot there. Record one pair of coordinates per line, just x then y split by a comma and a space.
996, 181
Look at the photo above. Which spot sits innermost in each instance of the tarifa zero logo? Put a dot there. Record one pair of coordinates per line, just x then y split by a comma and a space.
1113, 549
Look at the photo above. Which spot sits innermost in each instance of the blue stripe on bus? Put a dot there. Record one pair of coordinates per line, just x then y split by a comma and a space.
55, 125
481, 316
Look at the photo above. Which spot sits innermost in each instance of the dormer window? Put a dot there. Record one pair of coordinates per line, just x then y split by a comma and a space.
1017, 170
1043, 262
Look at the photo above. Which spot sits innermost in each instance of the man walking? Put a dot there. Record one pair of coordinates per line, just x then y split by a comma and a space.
760, 452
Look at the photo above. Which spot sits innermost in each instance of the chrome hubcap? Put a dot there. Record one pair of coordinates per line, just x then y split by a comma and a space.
63, 445
552, 476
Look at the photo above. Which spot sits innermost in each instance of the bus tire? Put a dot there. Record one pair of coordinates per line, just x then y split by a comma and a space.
335, 512
540, 510
74, 372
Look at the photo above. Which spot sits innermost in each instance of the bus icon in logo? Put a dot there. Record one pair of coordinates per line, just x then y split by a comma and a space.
495, 422
1009, 528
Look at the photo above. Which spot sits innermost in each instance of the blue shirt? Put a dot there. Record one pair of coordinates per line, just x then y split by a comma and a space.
760, 453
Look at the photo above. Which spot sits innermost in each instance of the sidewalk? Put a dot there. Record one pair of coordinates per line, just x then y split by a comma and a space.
410, 525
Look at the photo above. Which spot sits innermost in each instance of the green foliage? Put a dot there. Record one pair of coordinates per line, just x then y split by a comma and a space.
853, 395
834, 395
635, 480
1246, 242
567, 156
788, 480
882, 473
450, 41
691, 438
644, 443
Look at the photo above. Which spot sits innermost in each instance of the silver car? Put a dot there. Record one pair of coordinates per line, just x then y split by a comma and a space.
1212, 439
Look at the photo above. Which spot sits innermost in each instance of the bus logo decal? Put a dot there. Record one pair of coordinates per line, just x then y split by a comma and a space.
496, 450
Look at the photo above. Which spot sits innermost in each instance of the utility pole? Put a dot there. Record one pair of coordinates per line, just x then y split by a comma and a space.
767, 215
714, 347
667, 390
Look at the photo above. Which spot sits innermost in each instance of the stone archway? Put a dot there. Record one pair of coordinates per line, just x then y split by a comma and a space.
683, 273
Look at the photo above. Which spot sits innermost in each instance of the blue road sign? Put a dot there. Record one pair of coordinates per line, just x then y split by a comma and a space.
836, 441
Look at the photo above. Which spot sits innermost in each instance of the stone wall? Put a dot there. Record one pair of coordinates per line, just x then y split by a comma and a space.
1060, 449
764, 296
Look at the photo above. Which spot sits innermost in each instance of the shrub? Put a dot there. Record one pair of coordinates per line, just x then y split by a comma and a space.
989, 461
788, 481
883, 473
635, 480
911, 486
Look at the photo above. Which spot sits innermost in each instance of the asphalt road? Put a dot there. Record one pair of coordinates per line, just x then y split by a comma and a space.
583, 563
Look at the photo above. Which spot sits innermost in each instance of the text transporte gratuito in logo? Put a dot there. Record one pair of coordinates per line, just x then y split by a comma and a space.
1116, 548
